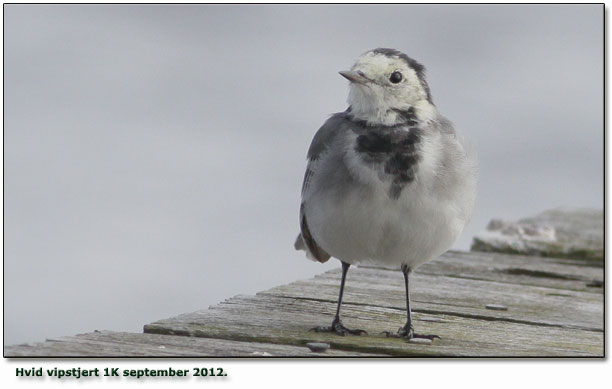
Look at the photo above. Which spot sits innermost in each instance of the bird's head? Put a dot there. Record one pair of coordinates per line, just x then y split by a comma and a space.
384, 83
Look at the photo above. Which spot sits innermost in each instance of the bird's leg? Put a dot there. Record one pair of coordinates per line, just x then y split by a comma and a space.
407, 331
337, 325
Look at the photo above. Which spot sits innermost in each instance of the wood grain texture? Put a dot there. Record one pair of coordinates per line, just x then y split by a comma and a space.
551, 310
125, 344
553, 307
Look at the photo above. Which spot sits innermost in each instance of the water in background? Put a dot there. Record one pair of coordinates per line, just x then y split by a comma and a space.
154, 154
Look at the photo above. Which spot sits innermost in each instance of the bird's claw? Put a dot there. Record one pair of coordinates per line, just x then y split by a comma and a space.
338, 328
408, 333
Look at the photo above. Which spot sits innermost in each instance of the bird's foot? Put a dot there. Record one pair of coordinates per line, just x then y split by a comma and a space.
407, 332
338, 328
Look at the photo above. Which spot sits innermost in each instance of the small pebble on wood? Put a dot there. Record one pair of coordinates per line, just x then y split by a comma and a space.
317, 347
496, 307
421, 341
262, 354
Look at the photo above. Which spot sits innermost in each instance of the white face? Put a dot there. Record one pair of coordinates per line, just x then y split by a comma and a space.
391, 85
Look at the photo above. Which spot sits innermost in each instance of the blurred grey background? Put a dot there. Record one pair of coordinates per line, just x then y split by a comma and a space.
153, 155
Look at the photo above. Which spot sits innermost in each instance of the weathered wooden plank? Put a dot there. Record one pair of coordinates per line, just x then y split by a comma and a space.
568, 232
284, 320
124, 344
550, 310
458, 296
550, 272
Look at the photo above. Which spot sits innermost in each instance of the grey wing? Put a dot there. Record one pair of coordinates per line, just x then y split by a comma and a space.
320, 143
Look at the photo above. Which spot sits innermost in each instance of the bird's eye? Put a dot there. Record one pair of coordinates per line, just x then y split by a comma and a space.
395, 77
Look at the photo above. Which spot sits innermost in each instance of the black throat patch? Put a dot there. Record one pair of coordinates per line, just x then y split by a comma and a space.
405, 117
396, 148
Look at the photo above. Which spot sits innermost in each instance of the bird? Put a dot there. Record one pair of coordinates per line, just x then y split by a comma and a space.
388, 181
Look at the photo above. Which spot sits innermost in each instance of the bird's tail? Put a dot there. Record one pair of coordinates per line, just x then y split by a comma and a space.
313, 252
299, 243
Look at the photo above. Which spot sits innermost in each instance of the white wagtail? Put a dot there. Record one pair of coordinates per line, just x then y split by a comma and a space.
388, 181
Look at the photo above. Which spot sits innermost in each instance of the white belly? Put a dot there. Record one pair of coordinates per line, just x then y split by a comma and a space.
369, 227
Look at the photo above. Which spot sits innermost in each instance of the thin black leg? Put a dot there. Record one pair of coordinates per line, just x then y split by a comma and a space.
345, 267
337, 326
407, 331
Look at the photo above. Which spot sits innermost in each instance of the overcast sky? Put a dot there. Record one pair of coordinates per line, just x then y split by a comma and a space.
153, 155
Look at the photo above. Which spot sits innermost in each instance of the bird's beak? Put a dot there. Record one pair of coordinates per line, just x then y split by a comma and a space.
356, 77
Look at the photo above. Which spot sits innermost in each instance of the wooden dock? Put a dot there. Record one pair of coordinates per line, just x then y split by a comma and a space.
480, 304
